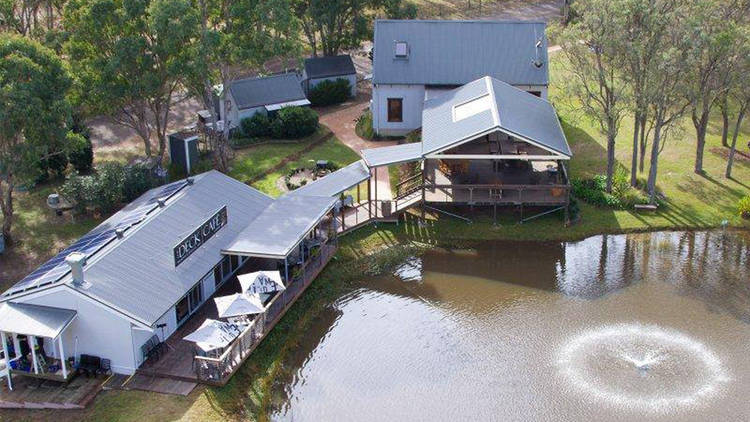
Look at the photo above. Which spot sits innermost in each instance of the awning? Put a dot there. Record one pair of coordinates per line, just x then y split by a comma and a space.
213, 334
383, 156
261, 282
34, 320
281, 226
274, 107
337, 182
239, 304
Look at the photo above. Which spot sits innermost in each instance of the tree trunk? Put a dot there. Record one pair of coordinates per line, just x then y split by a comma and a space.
6, 205
634, 163
725, 122
610, 157
701, 124
643, 144
654, 163
733, 148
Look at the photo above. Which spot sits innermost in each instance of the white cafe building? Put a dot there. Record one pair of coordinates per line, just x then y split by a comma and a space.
145, 270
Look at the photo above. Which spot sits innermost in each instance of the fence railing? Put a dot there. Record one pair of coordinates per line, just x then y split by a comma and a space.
218, 370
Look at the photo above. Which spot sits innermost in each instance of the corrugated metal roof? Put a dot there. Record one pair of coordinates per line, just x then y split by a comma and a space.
281, 226
255, 92
337, 182
457, 52
34, 320
394, 154
137, 275
326, 67
514, 111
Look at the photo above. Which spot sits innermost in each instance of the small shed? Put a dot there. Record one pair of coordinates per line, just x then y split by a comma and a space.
183, 149
319, 69
266, 95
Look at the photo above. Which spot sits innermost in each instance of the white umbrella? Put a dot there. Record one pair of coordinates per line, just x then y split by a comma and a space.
239, 304
261, 282
213, 334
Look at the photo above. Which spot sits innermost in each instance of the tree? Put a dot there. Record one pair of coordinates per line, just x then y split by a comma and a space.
236, 37
34, 113
129, 58
331, 26
711, 29
591, 46
23, 16
740, 93
643, 33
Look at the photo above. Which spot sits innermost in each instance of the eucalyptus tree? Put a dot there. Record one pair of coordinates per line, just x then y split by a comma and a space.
237, 38
331, 26
712, 31
130, 58
29, 17
644, 33
739, 92
34, 115
592, 49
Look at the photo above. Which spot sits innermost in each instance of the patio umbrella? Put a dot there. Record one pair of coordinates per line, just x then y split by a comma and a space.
239, 304
261, 282
213, 334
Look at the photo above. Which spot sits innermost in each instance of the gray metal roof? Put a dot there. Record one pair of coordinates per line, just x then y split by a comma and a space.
256, 92
281, 226
395, 154
457, 52
326, 67
137, 276
34, 320
337, 182
512, 110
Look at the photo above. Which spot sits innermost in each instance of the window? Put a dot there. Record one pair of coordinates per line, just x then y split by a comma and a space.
472, 107
217, 275
226, 268
535, 93
188, 304
395, 109
235, 262
402, 49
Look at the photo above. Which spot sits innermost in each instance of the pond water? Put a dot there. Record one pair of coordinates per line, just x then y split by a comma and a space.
615, 327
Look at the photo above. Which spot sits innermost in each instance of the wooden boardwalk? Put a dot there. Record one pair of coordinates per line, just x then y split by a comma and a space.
33, 393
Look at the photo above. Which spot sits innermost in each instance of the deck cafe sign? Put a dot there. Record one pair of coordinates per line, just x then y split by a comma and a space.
191, 243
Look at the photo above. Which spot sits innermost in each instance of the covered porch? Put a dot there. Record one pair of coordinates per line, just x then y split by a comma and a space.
32, 342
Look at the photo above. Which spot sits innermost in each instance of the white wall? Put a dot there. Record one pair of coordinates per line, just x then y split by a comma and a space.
234, 115
351, 78
99, 331
413, 100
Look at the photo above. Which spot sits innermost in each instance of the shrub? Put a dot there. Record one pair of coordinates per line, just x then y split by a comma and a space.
109, 186
256, 126
83, 159
363, 128
330, 92
137, 179
294, 123
744, 207
593, 191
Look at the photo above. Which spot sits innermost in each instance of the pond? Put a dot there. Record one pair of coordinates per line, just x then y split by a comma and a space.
615, 327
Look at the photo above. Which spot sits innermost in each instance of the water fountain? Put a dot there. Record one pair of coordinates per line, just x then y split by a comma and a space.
642, 367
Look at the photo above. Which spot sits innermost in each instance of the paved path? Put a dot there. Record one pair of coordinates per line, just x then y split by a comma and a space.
341, 120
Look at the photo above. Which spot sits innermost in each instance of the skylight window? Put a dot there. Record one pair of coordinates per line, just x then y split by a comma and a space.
402, 49
472, 107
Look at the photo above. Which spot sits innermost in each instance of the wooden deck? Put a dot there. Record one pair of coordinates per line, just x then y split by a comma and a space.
34, 393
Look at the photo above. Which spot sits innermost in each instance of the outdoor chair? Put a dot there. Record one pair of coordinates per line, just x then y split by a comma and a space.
89, 364
152, 348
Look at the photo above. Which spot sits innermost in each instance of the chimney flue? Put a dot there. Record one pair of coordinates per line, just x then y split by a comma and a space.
76, 261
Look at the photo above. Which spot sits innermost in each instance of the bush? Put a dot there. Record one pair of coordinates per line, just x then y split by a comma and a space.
83, 159
294, 123
256, 126
111, 184
363, 128
744, 207
330, 92
594, 191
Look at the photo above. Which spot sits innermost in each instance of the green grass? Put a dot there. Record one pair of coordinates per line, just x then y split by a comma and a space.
332, 150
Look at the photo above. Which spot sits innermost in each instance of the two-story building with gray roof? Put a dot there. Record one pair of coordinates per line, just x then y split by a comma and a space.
415, 60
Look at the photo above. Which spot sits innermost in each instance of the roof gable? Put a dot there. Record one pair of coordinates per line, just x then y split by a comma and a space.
457, 52
256, 92
329, 66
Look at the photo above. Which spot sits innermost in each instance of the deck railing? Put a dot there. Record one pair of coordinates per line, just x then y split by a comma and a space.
502, 193
219, 370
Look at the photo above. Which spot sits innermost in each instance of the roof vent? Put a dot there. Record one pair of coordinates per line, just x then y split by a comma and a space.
161, 202
401, 49
76, 261
190, 180
120, 232
537, 64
